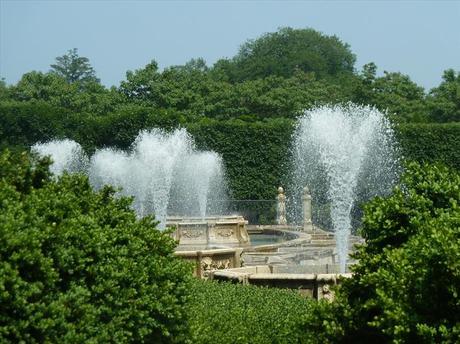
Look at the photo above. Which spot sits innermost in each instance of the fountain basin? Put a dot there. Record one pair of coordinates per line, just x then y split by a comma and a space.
201, 244
209, 232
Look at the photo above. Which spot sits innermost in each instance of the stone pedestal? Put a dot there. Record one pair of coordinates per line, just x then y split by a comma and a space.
306, 202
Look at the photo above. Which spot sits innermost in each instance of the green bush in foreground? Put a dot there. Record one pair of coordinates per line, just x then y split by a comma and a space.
406, 286
78, 267
234, 313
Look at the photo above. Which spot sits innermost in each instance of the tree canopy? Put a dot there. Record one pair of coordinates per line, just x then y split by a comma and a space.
444, 100
286, 51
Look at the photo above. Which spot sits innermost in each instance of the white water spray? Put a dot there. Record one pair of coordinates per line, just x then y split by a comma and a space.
67, 155
341, 152
164, 172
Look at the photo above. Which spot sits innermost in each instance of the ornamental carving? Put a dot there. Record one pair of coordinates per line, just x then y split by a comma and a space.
208, 264
326, 293
224, 233
191, 234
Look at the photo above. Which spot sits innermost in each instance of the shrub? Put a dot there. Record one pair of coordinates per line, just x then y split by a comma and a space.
406, 286
235, 313
78, 267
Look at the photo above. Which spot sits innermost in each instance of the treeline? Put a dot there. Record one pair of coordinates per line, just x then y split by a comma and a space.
279, 74
243, 107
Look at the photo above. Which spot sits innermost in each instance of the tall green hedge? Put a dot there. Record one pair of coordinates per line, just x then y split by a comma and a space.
235, 313
255, 153
431, 142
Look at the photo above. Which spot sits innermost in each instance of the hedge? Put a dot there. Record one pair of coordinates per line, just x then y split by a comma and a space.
256, 153
433, 142
234, 313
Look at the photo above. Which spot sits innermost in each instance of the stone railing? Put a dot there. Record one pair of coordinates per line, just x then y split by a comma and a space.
228, 230
317, 286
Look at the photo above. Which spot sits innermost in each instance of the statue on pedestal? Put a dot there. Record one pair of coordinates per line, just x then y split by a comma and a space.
281, 207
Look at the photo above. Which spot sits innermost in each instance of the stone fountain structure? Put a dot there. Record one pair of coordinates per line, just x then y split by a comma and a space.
341, 153
345, 154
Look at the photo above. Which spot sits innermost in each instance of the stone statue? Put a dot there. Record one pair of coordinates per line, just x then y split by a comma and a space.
306, 198
281, 207
327, 293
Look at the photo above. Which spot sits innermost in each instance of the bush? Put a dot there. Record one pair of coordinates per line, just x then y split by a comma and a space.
406, 286
235, 313
78, 267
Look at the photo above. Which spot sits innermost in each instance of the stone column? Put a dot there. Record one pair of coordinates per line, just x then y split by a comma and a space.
281, 207
306, 201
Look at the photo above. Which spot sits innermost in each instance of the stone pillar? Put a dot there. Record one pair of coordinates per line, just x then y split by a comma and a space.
281, 207
306, 201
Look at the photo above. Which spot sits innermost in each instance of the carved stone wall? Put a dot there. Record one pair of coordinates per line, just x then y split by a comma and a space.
207, 261
229, 231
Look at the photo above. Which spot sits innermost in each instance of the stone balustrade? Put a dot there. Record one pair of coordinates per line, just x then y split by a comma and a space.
208, 231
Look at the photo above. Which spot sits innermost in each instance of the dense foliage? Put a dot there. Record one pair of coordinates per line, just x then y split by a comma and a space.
431, 143
406, 286
234, 313
78, 267
287, 51
444, 101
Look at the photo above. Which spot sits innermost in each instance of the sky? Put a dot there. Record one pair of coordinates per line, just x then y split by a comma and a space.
418, 38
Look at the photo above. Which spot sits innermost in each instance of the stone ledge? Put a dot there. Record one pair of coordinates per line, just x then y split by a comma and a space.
317, 286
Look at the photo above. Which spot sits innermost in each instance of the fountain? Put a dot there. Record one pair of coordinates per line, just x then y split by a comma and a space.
67, 155
342, 155
163, 171
345, 154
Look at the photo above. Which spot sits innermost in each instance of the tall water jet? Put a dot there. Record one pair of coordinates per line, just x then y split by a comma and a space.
67, 155
344, 154
199, 178
163, 172
147, 172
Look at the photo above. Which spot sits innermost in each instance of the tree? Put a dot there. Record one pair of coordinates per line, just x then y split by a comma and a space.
139, 84
395, 93
288, 50
444, 100
55, 90
406, 286
74, 68
77, 266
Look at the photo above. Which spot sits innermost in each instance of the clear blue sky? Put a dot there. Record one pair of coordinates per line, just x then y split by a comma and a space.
418, 38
